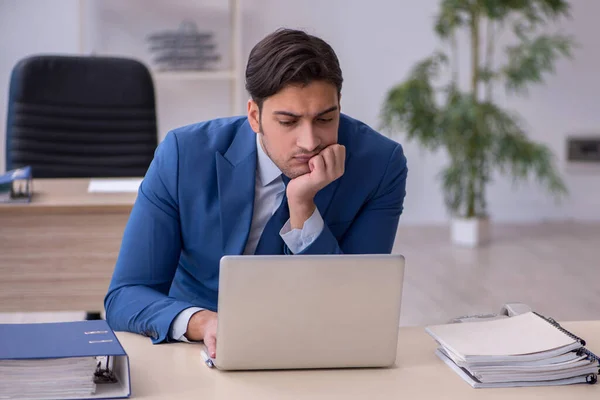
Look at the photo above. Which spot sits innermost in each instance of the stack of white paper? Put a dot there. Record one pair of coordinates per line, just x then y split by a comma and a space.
524, 350
51, 378
124, 185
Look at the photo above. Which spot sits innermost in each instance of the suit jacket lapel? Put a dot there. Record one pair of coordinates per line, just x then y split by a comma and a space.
236, 171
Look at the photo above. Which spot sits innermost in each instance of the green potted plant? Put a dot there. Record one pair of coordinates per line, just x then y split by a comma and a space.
433, 108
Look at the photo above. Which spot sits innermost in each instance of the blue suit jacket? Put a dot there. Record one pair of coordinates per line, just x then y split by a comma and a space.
195, 206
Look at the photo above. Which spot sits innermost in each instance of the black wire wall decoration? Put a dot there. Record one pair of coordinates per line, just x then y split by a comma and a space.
184, 49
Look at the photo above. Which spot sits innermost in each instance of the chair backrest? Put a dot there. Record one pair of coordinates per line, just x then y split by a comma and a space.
80, 116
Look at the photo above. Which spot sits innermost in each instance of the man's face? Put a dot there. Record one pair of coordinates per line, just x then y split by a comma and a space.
296, 124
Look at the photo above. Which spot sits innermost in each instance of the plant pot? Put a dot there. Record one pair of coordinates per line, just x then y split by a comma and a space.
470, 232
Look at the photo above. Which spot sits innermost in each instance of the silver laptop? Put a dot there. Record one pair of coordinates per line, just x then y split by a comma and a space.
298, 312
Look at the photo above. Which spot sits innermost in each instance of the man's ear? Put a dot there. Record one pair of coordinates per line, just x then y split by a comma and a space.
254, 115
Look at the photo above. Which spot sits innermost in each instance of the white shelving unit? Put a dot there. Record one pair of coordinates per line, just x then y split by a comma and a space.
234, 74
196, 75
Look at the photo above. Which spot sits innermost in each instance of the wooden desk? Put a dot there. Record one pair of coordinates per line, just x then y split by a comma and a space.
58, 252
176, 371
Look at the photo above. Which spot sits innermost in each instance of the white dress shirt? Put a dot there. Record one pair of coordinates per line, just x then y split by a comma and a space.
268, 193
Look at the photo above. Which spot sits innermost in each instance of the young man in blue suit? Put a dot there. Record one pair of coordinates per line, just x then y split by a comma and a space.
293, 177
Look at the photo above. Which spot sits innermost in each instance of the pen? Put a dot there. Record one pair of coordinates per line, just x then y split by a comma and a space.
207, 360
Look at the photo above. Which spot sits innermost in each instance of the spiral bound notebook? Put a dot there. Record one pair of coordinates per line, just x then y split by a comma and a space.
524, 350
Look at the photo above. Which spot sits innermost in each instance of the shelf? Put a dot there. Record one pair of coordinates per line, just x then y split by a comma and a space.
90, 13
194, 75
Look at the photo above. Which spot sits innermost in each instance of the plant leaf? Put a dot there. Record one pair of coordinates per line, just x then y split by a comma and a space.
530, 60
453, 182
533, 10
411, 106
453, 14
553, 9
487, 75
514, 154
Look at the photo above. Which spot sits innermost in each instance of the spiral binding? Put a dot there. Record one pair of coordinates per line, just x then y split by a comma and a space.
589, 355
560, 328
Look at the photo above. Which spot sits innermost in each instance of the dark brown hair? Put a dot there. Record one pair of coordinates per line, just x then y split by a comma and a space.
289, 56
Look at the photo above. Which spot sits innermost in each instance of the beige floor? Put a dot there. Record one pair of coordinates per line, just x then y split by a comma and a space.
553, 267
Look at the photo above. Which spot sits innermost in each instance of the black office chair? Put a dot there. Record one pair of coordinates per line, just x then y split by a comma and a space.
79, 117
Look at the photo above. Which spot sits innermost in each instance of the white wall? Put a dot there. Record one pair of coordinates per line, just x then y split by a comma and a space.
377, 42
30, 27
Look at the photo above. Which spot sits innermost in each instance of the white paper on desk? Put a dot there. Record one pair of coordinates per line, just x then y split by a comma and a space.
124, 185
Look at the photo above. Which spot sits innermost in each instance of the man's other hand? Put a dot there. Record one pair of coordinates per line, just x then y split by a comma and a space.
203, 326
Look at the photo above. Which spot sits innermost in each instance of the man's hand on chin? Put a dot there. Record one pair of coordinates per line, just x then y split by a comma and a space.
325, 167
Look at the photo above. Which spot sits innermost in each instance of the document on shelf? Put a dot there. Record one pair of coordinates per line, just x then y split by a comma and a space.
120, 185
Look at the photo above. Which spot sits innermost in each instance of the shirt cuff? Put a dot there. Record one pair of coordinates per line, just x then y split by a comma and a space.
299, 239
179, 326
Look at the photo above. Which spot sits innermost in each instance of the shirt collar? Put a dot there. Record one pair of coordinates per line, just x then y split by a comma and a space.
266, 168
